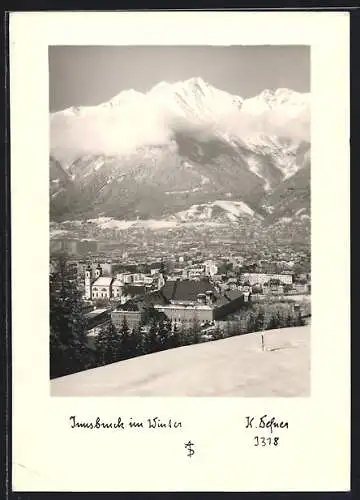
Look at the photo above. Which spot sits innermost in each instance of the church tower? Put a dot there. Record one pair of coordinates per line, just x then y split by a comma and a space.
162, 276
98, 271
88, 273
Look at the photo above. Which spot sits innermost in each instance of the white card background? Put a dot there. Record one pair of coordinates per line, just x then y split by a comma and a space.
315, 451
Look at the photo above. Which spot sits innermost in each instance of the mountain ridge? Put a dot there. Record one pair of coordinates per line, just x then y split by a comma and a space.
152, 155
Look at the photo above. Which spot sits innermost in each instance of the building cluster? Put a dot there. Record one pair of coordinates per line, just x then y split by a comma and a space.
204, 289
180, 299
181, 302
264, 279
240, 244
101, 283
122, 286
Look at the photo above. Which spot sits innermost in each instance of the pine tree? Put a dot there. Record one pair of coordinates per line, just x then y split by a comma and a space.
124, 329
280, 319
69, 347
138, 341
229, 329
175, 340
273, 321
108, 345
125, 340
290, 319
251, 322
195, 331
151, 340
164, 331
217, 334
259, 320
243, 323
132, 351
183, 334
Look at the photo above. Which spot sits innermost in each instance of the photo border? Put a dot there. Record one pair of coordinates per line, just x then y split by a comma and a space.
33, 493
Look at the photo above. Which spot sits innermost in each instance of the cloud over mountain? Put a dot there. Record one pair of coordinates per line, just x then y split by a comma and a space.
132, 119
178, 145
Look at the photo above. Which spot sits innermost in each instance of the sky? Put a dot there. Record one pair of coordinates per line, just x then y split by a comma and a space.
86, 75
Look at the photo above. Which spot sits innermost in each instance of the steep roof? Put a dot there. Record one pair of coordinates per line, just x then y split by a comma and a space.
96, 318
130, 305
94, 313
155, 298
186, 290
103, 281
143, 302
221, 301
134, 290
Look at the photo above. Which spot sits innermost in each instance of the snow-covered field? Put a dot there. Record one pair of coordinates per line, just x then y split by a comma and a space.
236, 366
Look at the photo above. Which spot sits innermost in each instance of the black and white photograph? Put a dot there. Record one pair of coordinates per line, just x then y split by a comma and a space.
180, 265
180, 220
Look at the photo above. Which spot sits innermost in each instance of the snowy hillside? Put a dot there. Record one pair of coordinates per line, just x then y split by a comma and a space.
230, 210
236, 366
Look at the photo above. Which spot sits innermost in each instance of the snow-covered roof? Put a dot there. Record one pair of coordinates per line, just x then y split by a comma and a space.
103, 281
117, 282
95, 312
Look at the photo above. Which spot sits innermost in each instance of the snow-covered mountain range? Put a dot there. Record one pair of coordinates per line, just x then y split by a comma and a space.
159, 154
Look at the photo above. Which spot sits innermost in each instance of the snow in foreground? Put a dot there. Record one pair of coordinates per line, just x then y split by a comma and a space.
236, 366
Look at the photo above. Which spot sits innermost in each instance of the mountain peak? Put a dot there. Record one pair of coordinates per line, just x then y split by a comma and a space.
133, 120
192, 84
275, 95
266, 93
197, 81
284, 91
123, 96
160, 86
